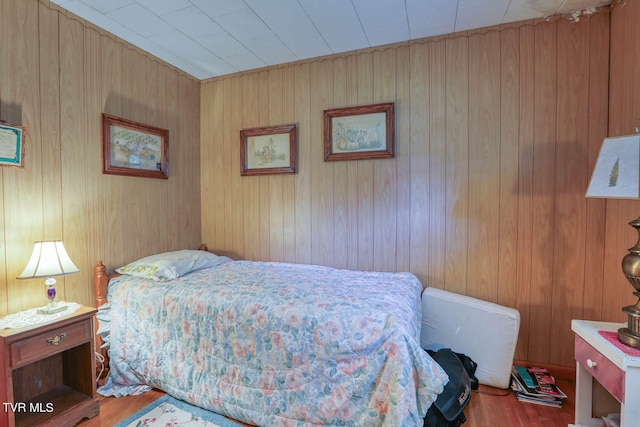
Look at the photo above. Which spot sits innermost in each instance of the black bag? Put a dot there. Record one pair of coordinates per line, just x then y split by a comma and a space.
448, 408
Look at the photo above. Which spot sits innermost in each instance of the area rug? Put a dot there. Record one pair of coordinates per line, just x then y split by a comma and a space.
168, 411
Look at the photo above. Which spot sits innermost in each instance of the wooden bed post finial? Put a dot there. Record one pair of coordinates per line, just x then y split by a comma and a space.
100, 282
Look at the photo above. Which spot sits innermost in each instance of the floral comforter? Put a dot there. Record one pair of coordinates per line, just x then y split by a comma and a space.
275, 344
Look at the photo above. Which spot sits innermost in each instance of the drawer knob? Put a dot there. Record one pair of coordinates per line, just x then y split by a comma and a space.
57, 339
591, 363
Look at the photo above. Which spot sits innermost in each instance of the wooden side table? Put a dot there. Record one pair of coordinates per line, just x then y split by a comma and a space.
616, 370
48, 374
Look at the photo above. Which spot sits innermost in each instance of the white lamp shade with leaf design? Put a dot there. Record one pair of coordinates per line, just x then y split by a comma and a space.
617, 176
617, 171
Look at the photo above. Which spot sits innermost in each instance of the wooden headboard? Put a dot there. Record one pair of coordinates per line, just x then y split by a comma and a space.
101, 282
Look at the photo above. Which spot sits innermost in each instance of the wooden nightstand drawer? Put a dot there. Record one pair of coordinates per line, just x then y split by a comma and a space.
51, 342
600, 368
51, 366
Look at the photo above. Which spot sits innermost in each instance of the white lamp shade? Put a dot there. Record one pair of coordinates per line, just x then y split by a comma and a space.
48, 259
617, 171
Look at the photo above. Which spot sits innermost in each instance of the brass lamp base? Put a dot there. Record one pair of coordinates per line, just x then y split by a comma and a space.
631, 269
626, 337
631, 334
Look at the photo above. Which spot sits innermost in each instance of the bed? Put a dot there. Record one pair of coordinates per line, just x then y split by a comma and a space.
268, 343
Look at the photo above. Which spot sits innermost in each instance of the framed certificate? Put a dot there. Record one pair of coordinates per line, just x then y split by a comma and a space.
11, 153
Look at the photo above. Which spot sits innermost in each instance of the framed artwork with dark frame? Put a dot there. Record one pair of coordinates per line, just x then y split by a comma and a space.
268, 150
134, 149
359, 133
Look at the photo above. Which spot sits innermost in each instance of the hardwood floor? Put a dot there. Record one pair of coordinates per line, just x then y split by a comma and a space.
488, 408
115, 409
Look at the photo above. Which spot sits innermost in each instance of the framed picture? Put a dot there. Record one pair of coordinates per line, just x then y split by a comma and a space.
359, 133
133, 149
11, 146
268, 150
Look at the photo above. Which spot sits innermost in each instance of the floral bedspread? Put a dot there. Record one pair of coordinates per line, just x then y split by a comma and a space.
275, 344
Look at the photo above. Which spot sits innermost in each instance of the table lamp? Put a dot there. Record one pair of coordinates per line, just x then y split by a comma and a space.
49, 259
617, 176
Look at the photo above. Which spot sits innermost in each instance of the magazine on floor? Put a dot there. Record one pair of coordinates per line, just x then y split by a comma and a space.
536, 385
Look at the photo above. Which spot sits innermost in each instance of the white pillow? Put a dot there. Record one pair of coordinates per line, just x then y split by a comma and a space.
170, 265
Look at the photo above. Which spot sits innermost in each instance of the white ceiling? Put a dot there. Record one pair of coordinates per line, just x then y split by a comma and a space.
209, 38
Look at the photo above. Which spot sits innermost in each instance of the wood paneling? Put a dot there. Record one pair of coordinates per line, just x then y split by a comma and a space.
58, 75
624, 119
496, 133
508, 178
457, 216
20, 105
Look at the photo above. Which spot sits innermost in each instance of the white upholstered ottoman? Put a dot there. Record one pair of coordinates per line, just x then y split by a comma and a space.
484, 331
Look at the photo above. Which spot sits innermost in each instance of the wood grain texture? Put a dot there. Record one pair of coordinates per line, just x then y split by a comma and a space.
384, 173
524, 187
288, 183
418, 112
302, 84
571, 172
364, 179
458, 219
340, 215
74, 165
403, 161
521, 108
509, 155
496, 130
595, 209
321, 185
483, 163
59, 74
437, 165
251, 190
624, 119
542, 152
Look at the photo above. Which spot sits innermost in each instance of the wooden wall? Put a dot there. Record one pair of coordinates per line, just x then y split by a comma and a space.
57, 75
497, 131
624, 119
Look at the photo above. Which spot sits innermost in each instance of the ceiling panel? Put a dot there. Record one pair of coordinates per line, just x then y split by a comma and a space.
139, 20
163, 7
209, 38
217, 8
338, 23
192, 22
270, 49
101, 6
292, 26
476, 14
431, 17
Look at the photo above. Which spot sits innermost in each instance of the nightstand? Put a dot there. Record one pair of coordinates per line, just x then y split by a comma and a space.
48, 374
618, 372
